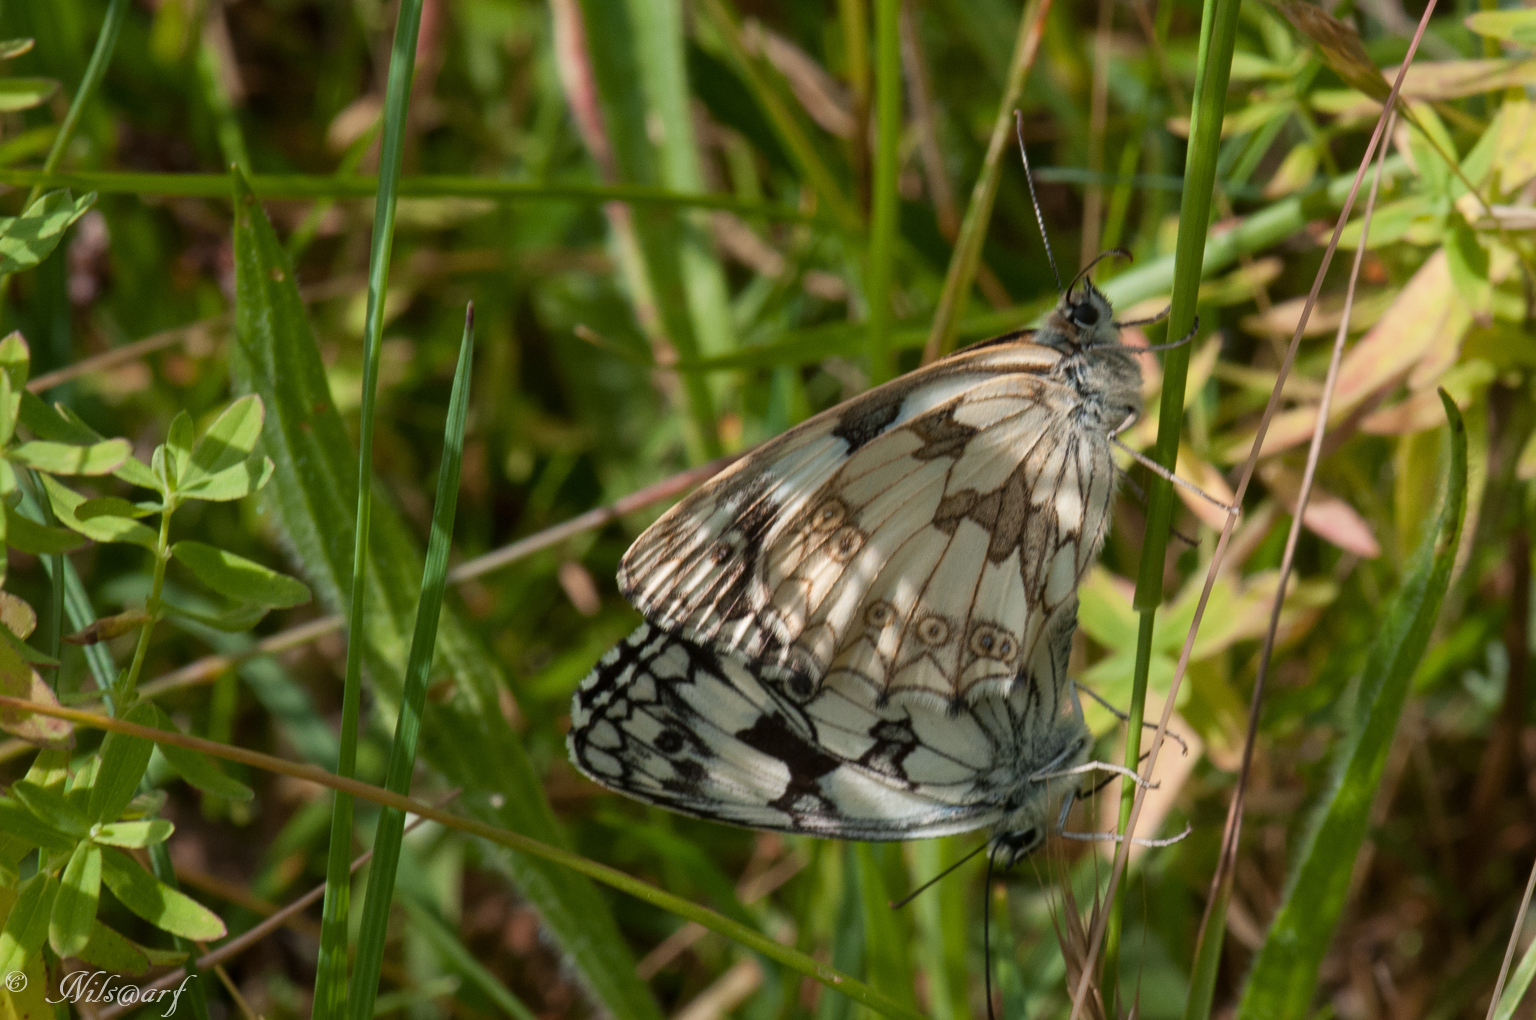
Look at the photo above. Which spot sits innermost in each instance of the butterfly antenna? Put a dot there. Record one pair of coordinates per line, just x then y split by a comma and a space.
1100, 257
1029, 178
986, 930
915, 893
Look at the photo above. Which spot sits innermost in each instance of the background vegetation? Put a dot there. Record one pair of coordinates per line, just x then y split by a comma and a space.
685, 227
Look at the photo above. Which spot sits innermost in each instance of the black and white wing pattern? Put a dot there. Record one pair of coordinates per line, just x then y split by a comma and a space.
711, 734
918, 537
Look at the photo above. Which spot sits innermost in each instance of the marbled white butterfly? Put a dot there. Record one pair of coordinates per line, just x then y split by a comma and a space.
861, 629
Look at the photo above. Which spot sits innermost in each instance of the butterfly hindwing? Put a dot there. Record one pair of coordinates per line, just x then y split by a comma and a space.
709, 734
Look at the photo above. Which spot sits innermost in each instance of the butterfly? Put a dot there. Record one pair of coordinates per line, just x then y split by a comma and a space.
861, 629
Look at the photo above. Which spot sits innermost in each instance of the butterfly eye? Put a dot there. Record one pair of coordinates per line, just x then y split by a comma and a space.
1084, 314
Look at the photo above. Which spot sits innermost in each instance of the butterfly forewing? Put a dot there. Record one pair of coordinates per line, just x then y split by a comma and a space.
916, 538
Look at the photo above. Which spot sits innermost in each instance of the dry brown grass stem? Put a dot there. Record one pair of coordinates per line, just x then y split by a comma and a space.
1227, 858
1378, 138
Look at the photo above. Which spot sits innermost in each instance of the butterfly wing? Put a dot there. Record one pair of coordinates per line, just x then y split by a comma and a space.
677, 724
916, 538
710, 734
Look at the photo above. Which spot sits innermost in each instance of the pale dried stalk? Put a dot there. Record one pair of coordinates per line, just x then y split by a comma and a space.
1121, 855
1227, 859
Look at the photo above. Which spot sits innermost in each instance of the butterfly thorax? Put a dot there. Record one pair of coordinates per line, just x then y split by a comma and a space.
1101, 369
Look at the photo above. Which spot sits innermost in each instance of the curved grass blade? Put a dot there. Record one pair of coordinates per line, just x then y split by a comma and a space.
402, 752
731, 929
465, 738
1284, 974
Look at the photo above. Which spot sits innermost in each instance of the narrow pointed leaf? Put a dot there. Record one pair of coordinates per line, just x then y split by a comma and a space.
238, 578
64, 502
1284, 976
27, 239
134, 834
62, 459
26, 929
156, 902
74, 907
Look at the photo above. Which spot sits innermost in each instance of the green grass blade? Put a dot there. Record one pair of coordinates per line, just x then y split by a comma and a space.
660, 49
465, 737
402, 752
425, 921
1218, 39
812, 168
331, 967
1515, 990
1284, 974
887, 933
882, 234
348, 185
106, 42
978, 213
613, 60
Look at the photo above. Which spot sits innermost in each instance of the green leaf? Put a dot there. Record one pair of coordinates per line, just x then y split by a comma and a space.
115, 506
229, 441
27, 239
24, 94
231, 483
313, 497
26, 929
74, 907
61, 459
1284, 976
197, 768
103, 529
110, 951
238, 578
235, 620
133, 834
11, 48
26, 651
38, 539
51, 806
1516, 26
17, 820
156, 902
55, 424
123, 762
177, 450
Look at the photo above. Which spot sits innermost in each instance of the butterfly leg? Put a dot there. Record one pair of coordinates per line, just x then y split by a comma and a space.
1123, 717
1115, 837
1095, 766
1162, 472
